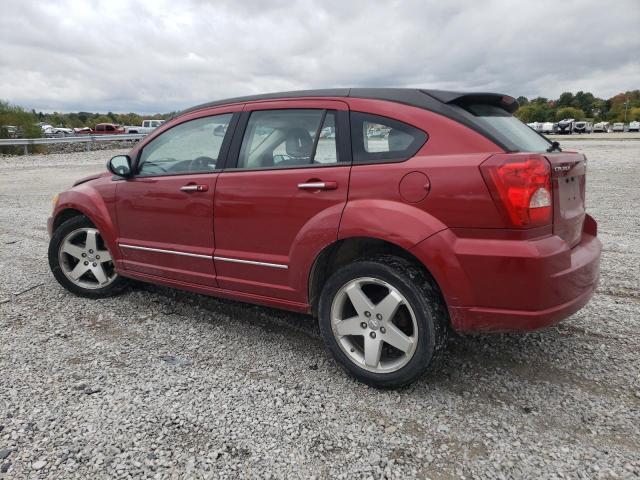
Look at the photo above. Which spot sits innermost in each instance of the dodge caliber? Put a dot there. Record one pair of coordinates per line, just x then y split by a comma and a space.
393, 216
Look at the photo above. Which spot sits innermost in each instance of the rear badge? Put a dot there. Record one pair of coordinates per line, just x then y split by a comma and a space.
562, 168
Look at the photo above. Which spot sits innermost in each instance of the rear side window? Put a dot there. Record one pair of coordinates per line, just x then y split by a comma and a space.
289, 138
380, 139
506, 127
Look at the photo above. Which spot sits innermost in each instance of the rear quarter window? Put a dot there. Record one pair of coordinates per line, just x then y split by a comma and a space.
381, 139
507, 128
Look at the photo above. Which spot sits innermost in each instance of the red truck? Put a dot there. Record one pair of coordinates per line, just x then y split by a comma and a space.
102, 129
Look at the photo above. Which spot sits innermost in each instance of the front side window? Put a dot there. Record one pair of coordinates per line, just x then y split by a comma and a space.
377, 138
289, 138
190, 147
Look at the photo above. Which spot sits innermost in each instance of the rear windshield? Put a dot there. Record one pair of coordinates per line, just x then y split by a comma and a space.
507, 127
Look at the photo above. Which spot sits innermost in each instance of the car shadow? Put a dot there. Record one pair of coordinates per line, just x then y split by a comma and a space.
463, 361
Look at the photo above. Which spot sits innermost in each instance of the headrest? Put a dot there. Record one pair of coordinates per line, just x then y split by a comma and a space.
299, 143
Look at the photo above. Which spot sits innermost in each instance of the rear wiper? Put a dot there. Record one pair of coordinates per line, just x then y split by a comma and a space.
555, 147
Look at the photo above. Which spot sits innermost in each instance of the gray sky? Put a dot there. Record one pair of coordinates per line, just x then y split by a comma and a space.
162, 55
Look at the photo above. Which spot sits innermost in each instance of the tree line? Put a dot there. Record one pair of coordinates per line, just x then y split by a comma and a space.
27, 121
624, 107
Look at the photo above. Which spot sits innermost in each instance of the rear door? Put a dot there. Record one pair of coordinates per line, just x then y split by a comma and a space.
165, 212
283, 198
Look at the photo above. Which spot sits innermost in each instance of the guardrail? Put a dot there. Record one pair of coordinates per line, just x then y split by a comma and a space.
86, 139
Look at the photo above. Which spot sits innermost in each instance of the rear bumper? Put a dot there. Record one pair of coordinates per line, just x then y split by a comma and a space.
495, 285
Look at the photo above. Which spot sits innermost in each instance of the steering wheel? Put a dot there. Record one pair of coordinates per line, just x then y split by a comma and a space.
201, 163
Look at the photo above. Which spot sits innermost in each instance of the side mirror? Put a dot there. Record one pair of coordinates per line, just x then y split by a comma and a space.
120, 165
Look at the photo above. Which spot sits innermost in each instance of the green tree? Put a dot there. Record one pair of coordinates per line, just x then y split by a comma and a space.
569, 112
566, 100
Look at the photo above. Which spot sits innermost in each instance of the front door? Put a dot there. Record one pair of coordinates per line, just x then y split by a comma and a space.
283, 196
165, 212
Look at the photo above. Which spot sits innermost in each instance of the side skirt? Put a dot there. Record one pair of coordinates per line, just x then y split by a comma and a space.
219, 292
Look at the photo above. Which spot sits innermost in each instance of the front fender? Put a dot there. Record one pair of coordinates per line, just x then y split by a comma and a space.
395, 222
97, 202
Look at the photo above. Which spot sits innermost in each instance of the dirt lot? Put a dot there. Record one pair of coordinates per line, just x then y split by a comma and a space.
169, 384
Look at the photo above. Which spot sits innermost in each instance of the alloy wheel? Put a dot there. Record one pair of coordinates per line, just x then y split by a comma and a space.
374, 325
85, 260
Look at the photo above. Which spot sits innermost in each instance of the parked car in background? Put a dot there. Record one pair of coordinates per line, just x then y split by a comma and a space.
549, 127
50, 131
82, 131
10, 131
565, 126
536, 126
634, 126
582, 127
147, 126
618, 127
601, 127
107, 129
378, 237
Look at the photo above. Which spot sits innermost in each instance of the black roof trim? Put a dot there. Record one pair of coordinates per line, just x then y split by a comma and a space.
446, 103
327, 92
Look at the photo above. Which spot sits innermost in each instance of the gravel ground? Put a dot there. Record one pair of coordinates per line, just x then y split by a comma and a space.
165, 384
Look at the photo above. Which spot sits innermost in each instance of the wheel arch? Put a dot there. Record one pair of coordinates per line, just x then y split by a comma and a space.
346, 250
64, 215
91, 205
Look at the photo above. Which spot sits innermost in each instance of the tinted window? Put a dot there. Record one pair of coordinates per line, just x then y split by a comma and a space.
504, 125
189, 147
289, 138
377, 138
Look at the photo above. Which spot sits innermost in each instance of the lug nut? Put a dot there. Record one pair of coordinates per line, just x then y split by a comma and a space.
90, 251
379, 316
84, 254
86, 263
383, 330
367, 314
95, 264
372, 334
363, 324
353, 349
97, 257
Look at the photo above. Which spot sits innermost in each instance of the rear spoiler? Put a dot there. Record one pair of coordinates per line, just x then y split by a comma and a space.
505, 102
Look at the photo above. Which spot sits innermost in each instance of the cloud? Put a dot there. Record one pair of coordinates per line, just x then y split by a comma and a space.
162, 55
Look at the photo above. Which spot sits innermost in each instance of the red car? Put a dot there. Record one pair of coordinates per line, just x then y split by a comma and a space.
107, 129
422, 211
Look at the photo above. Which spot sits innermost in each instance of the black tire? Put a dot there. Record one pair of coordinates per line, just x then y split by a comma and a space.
425, 299
57, 238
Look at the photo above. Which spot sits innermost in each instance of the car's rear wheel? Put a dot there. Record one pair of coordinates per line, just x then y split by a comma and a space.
383, 319
81, 262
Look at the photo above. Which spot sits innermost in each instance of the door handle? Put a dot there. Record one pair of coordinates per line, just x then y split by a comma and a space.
194, 188
318, 186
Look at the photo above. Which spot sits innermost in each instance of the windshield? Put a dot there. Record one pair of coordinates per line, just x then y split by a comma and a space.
505, 126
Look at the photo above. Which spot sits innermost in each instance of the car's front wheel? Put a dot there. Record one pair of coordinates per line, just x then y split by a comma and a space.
383, 319
81, 262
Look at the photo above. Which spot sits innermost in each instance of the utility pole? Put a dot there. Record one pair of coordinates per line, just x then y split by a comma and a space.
626, 105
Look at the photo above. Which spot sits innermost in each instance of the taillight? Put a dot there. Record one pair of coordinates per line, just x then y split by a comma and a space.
520, 185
